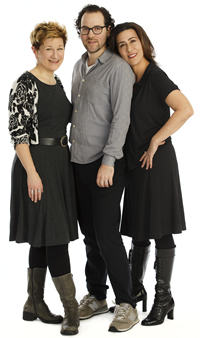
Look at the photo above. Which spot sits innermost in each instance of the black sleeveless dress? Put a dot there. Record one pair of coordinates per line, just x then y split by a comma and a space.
53, 220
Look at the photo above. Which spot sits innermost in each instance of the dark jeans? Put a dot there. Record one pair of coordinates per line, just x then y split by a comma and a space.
99, 218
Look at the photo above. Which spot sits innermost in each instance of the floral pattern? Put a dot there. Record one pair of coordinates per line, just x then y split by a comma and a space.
23, 118
23, 121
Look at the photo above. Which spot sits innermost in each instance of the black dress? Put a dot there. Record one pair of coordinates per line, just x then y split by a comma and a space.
153, 204
53, 220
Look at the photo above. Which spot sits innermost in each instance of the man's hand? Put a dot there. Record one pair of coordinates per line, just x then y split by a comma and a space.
105, 176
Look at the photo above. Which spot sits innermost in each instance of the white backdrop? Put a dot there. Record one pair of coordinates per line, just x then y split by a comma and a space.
174, 31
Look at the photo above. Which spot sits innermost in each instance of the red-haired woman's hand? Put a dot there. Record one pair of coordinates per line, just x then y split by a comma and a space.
35, 187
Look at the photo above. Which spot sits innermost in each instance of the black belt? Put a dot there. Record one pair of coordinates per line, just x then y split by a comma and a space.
51, 141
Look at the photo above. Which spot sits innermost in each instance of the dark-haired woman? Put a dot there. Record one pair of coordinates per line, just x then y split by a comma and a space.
153, 207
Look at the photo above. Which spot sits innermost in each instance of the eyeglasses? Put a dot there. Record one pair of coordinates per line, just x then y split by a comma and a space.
96, 30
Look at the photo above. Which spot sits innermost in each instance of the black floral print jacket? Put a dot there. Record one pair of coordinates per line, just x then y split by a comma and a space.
23, 117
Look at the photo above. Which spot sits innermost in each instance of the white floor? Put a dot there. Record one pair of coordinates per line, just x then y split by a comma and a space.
185, 291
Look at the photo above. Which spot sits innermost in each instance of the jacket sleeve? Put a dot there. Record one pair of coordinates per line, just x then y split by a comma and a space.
23, 122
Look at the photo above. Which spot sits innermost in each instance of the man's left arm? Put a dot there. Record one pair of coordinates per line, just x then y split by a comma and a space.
121, 88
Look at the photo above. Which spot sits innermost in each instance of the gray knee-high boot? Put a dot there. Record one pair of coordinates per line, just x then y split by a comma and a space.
163, 301
66, 289
35, 306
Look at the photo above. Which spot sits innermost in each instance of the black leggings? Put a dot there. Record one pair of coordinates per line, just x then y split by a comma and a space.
55, 257
166, 242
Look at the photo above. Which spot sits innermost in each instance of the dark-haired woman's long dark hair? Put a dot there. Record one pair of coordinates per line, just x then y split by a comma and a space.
148, 49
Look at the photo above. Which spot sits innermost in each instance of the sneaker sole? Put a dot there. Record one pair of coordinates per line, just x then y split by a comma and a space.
101, 311
114, 329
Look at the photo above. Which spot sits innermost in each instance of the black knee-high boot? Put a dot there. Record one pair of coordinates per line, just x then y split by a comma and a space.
138, 258
163, 301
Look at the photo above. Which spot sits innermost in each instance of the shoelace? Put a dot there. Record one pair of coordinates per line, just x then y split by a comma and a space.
121, 311
86, 299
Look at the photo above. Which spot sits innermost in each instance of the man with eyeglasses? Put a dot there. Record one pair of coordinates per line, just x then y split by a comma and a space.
102, 86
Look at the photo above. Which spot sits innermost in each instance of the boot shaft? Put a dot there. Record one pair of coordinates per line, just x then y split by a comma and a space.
164, 265
36, 282
138, 259
66, 289
35, 306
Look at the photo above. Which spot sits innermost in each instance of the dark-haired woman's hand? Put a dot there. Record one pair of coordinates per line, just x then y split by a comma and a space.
147, 157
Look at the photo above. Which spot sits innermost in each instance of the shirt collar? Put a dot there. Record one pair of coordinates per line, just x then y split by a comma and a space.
103, 58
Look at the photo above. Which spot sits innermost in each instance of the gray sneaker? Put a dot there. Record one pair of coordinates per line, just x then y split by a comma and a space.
125, 318
90, 306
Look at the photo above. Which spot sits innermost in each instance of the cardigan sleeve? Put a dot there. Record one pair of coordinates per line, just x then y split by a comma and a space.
23, 121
